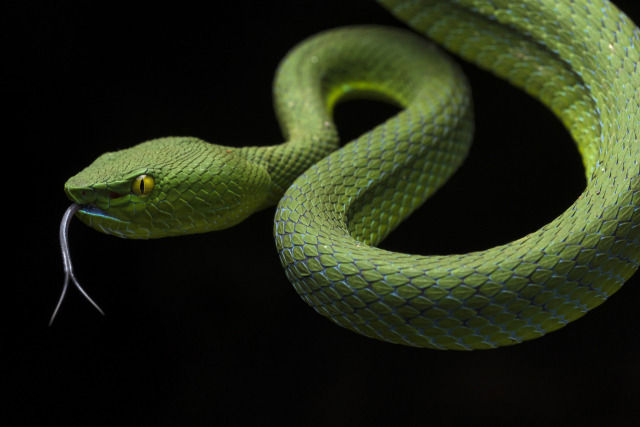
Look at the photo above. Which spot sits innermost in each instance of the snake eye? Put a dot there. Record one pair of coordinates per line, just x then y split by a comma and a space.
142, 185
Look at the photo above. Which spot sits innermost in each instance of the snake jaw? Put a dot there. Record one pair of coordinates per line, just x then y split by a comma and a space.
101, 220
93, 210
91, 213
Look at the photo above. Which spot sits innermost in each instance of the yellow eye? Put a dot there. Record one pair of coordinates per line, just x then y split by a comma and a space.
142, 185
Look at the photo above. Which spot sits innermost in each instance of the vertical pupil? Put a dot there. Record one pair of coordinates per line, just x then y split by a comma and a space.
142, 186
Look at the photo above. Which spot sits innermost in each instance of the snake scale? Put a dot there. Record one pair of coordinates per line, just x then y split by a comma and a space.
578, 57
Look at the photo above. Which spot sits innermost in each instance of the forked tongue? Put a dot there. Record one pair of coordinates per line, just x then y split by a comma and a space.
66, 261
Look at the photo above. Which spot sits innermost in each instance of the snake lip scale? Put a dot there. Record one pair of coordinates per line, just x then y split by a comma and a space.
334, 205
93, 210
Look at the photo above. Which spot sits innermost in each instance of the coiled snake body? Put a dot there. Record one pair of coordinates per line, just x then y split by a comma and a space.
579, 58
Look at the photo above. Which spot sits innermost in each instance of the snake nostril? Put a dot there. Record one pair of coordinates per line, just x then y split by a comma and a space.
114, 195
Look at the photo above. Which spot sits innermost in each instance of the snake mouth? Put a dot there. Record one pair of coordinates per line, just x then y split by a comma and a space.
106, 223
94, 211
95, 217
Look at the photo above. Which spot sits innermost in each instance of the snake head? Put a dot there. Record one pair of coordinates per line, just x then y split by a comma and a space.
166, 187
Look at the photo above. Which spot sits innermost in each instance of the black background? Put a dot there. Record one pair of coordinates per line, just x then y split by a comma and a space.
206, 329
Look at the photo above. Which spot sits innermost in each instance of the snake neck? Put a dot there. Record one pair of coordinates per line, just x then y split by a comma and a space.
304, 94
364, 62
285, 162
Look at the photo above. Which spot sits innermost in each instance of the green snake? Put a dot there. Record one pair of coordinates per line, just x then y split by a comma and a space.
579, 58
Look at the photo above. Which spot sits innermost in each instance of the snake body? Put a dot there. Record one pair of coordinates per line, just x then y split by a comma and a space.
579, 58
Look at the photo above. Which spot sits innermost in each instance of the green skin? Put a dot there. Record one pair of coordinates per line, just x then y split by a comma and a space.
579, 59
